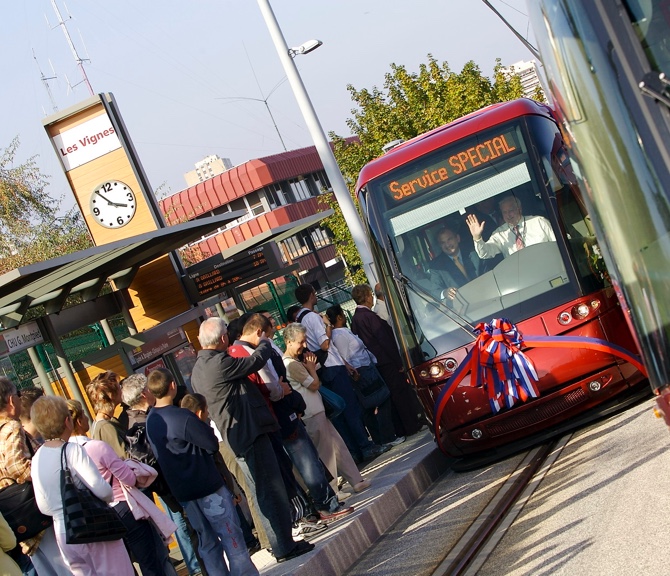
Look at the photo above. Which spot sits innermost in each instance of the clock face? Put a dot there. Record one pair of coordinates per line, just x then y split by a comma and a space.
113, 204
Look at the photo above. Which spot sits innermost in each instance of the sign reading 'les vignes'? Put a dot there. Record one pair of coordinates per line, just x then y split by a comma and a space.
86, 142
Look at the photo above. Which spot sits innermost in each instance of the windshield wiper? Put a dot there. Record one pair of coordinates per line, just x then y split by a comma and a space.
427, 297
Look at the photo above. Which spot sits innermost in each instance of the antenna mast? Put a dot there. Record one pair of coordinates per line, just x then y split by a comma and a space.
45, 81
80, 61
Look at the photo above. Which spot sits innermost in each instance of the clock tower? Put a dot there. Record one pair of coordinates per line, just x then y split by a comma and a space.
115, 198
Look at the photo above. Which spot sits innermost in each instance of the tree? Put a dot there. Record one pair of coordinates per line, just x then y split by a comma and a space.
30, 231
408, 105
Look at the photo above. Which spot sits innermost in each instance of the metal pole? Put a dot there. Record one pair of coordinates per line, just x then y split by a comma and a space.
41, 372
62, 359
107, 330
321, 142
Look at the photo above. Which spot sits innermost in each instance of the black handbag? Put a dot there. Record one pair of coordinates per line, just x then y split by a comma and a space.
87, 518
18, 506
370, 387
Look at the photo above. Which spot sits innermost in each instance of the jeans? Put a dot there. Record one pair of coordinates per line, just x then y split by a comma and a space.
215, 519
350, 423
259, 464
183, 540
305, 458
145, 544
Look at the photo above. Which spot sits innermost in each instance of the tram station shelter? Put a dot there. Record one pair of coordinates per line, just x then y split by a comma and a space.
102, 281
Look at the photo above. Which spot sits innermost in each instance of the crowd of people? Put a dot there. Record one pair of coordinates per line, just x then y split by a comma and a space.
256, 453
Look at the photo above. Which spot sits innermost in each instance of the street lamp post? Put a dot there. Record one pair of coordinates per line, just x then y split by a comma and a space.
316, 131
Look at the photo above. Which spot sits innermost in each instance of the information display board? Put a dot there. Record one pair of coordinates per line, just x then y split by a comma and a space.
216, 274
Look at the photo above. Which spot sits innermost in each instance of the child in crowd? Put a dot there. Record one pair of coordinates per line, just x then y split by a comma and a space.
197, 404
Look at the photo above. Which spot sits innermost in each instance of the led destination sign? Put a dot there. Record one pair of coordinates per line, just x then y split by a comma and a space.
215, 274
453, 166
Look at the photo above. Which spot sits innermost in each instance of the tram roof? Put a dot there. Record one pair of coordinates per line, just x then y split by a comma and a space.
444, 135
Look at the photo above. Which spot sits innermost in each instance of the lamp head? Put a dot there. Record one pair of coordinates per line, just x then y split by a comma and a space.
305, 48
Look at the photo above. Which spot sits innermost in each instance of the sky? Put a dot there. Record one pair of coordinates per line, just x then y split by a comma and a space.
185, 74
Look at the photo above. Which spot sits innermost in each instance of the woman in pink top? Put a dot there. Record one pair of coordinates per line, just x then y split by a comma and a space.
51, 417
142, 539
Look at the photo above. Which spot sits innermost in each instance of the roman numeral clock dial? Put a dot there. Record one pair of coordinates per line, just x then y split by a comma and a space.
113, 204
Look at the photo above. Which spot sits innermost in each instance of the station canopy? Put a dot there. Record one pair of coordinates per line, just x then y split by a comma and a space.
51, 282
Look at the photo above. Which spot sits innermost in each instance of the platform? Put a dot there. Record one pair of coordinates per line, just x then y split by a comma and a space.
399, 477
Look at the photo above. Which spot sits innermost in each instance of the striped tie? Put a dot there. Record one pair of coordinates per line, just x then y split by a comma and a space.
519, 240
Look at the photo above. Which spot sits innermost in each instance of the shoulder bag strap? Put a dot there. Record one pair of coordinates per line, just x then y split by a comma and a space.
303, 314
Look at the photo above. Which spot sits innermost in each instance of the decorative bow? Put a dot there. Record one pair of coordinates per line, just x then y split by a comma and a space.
506, 373
499, 365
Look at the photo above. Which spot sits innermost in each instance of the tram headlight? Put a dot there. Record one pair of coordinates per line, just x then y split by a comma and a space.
581, 311
595, 385
440, 369
450, 365
436, 370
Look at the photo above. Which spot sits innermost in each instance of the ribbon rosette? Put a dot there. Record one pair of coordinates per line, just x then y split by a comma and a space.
499, 365
508, 375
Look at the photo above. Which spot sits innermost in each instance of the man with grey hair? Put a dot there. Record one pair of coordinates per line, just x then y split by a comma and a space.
517, 231
244, 420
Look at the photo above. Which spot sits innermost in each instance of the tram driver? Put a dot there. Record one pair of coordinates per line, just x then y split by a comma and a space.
453, 267
516, 232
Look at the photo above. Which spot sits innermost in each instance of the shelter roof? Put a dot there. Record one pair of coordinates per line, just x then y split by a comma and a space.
85, 272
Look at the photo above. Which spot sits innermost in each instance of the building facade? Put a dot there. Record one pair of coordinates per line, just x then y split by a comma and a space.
206, 168
273, 191
528, 72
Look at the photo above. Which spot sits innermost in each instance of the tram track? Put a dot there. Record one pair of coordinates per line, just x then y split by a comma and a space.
470, 552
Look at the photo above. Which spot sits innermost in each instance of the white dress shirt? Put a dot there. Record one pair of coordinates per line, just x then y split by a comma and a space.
533, 230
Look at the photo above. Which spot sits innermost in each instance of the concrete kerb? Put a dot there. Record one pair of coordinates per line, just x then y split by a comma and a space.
399, 478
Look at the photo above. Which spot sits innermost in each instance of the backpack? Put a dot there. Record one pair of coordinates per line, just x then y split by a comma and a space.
139, 449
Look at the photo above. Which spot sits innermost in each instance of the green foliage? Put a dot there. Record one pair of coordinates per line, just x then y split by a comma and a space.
409, 104
22, 190
344, 244
29, 230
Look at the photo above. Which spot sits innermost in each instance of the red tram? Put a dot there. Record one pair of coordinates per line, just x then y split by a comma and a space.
416, 201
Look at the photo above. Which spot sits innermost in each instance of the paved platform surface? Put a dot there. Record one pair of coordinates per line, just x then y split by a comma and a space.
603, 508
399, 478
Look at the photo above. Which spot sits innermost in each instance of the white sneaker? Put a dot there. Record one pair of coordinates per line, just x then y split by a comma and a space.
342, 496
304, 530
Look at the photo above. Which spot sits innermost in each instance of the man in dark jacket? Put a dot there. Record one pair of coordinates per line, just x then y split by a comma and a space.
244, 420
184, 446
378, 337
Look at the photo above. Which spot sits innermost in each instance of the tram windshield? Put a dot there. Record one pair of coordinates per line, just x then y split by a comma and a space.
471, 232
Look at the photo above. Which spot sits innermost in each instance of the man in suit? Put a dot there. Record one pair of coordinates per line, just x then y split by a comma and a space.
377, 335
452, 268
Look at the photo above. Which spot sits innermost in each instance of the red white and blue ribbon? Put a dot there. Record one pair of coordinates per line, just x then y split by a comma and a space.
506, 373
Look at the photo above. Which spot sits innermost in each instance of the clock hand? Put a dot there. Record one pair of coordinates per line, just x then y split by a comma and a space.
106, 199
115, 204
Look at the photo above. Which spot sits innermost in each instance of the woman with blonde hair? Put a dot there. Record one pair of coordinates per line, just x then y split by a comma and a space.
51, 417
104, 392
